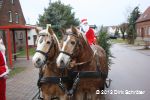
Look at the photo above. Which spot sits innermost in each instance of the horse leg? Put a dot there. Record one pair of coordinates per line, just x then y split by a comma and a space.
46, 97
63, 97
89, 96
97, 96
79, 95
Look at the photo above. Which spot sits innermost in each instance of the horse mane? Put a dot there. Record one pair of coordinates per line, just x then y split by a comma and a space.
82, 35
45, 32
57, 41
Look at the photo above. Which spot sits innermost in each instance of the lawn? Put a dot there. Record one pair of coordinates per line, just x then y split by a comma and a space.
118, 40
22, 52
19, 69
15, 71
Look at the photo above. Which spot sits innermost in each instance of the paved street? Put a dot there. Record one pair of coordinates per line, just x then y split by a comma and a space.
129, 74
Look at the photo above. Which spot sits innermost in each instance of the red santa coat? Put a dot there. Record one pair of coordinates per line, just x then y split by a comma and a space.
3, 66
90, 36
3, 71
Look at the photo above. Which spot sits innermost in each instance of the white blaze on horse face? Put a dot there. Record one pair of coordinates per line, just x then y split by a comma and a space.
38, 58
63, 57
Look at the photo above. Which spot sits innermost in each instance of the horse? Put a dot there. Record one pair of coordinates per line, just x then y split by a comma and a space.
89, 63
45, 58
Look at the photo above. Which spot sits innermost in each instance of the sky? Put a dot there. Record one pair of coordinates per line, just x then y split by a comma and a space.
98, 12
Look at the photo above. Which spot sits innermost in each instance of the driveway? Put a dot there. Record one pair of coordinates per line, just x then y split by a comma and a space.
23, 86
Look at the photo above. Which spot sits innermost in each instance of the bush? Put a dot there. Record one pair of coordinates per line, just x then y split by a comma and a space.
104, 42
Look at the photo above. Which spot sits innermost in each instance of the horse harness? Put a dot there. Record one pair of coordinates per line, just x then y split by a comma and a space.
73, 76
86, 74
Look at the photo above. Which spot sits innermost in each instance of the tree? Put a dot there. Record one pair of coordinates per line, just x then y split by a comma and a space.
123, 28
104, 41
58, 15
117, 31
131, 31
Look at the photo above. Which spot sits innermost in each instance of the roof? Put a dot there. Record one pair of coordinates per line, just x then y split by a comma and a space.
16, 27
145, 16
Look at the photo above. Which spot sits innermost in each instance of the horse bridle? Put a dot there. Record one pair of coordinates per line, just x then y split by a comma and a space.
46, 53
72, 55
73, 52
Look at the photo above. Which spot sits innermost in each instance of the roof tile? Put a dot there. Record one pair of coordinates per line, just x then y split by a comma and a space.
145, 16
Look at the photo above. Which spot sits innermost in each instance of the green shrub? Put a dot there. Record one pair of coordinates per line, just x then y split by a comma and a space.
104, 42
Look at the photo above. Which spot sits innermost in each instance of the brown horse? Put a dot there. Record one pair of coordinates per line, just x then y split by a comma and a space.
45, 58
76, 54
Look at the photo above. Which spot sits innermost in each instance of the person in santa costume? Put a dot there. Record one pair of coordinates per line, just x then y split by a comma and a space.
88, 32
3, 71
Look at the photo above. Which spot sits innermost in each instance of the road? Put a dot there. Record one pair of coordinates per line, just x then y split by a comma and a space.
130, 75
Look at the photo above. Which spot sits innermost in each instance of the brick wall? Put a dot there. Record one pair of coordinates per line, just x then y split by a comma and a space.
14, 8
143, 28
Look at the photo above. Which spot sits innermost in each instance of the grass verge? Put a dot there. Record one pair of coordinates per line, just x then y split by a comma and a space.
22, 52
118, 40
15, 71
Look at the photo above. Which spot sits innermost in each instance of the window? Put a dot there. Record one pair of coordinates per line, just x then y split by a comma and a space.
10, 16
149, 31
17, 18
145, 30
138, 32
20, 36
29, 38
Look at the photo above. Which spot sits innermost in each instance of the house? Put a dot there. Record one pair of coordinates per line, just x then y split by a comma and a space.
11, 13
111, 30
32, 36
13, 29
143, 26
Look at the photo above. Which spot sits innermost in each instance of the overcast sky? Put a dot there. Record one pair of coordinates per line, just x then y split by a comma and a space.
99, 12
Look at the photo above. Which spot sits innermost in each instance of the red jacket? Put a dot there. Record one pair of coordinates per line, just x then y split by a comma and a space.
3, 66
90, 36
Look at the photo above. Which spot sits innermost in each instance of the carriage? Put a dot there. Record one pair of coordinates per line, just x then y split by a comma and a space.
72, 70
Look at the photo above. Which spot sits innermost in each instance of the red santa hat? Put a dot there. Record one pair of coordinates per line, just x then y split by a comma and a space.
83, 21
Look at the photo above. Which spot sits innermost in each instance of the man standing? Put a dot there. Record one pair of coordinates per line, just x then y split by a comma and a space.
88, 32
3, 71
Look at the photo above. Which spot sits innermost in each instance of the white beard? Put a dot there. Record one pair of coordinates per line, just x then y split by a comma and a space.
2, 47
85, 28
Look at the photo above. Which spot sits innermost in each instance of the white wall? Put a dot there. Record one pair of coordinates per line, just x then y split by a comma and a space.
31, 33
111, 30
